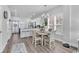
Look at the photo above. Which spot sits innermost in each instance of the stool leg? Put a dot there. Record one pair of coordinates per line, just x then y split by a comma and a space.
50, 44
53, 44
44, 43
32, 41
35, 43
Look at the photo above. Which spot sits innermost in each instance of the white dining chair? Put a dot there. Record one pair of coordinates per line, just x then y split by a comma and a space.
50, 40
36, 38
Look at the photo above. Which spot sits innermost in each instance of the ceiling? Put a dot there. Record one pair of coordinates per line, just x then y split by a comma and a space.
28, 10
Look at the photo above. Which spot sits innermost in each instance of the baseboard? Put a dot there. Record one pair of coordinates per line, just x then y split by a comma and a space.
61, 41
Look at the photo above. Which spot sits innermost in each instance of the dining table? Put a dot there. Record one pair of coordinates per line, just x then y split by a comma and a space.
42, 35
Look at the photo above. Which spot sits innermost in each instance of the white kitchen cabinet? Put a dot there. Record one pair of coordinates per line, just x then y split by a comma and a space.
26, 33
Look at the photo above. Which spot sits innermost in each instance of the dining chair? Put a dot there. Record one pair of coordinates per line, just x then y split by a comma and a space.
50, 39
36, 38
46, 40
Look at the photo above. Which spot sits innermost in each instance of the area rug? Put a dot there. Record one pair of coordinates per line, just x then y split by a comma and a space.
18, 48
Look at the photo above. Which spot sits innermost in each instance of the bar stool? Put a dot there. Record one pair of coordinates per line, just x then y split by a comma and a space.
36, 38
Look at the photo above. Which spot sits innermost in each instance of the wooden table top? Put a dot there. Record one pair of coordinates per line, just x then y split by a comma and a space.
42, 33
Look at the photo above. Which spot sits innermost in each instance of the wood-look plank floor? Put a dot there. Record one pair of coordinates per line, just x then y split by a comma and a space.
30, 47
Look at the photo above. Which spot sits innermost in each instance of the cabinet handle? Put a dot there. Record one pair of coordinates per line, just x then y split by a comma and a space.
27, 31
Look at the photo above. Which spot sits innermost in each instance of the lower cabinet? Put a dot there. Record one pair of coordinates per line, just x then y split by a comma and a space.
25, 33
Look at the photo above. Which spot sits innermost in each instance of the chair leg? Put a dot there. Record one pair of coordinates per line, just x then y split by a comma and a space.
41, 42
32, 41
53, 44
44, 42
50, 44
35, 43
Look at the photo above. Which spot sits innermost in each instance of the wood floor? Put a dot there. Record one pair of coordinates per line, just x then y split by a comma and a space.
30, 47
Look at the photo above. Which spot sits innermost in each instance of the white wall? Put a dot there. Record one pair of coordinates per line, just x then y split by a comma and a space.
74, 24
67, 24
0, 18
71, 23
6, 33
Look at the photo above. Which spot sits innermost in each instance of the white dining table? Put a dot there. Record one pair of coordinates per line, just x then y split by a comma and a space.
42, 34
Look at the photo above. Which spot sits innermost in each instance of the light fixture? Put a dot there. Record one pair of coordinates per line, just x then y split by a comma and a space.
45, 5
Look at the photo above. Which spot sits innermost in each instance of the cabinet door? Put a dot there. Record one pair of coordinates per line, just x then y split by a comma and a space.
23, 34
28, 33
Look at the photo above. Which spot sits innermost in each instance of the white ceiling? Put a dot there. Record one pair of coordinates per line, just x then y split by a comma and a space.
29, 10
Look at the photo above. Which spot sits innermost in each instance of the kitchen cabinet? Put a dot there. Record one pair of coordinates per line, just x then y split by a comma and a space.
25, 33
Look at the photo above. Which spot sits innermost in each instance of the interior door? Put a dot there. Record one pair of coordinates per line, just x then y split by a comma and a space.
15, 27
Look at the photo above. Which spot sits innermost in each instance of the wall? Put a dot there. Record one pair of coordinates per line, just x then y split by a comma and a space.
71, 23
0, 29
67, 24
6, 33
74, 24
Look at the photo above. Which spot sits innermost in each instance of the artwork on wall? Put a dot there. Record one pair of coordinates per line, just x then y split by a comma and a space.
5, 14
